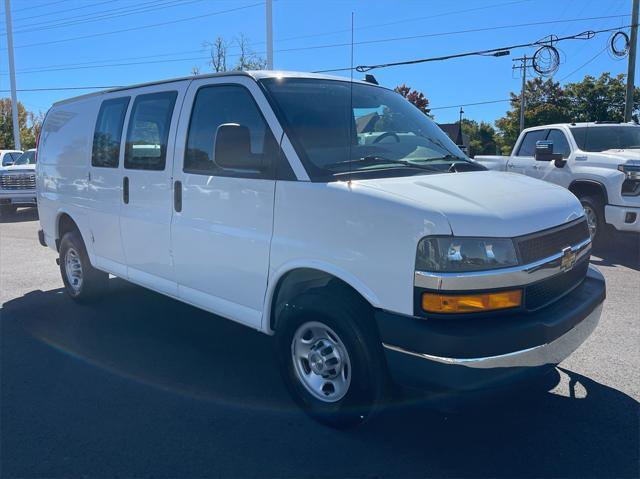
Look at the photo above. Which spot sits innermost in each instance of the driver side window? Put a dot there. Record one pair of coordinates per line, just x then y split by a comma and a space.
222, 104
528, 146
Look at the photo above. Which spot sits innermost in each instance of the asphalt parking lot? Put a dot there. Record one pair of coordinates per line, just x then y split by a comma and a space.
139, 385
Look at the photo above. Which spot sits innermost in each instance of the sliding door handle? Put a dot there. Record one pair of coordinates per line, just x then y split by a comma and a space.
177, 196
125, 190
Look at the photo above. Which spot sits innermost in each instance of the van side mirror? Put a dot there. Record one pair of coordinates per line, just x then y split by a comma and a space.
232, 148
544, 152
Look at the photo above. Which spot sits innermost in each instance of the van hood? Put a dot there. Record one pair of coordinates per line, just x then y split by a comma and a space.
486, 203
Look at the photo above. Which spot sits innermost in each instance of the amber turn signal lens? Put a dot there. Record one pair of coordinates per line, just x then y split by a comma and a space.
470, 303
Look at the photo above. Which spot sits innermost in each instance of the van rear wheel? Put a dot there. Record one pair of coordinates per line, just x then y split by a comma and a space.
331, 358
82, 281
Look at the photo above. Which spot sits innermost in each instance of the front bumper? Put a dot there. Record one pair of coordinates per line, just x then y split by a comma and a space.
480, 353
18, 197
623, 218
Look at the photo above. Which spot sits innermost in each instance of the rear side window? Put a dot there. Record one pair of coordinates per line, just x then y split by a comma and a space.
108, 133
528, 145
148, 131
217, 105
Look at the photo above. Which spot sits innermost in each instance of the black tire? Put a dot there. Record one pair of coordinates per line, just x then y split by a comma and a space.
93, 283
7, 210
595, 204
351, 320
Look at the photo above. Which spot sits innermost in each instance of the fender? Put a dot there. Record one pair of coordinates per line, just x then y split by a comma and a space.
594, 183
327, 268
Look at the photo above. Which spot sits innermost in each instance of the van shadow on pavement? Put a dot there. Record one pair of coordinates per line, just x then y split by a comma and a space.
21, 214
141, 385
618, 250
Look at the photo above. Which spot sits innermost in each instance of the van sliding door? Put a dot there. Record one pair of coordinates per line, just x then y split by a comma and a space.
147, 199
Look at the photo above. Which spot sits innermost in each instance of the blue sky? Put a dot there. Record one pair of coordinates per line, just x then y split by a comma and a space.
308, 35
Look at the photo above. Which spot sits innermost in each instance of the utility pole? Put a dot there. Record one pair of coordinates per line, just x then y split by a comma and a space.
628, 106
523, 68
269, 16
12, 76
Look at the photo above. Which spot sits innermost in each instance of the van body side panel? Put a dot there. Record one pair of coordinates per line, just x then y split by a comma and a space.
63, 167
336, 228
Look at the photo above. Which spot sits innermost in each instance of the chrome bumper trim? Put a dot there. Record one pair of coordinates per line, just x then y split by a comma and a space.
550, 353
499, 278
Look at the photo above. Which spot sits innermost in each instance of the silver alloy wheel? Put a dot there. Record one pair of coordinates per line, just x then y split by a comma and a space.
592, 220
321, 361
73, 269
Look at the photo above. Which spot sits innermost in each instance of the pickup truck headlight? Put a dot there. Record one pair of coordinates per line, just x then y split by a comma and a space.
631, 170
452, 255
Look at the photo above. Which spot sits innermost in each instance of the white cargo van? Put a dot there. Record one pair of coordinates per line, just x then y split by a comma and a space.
331, 214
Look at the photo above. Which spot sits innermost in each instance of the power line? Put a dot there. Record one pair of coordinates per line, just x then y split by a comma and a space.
66, 88
106, 15
48, 14
586, 35
142, 27
33, 7
586, 63
396, 22
467, 104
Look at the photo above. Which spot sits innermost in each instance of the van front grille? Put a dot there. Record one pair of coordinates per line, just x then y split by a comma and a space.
547, 291
544, 244
18, 181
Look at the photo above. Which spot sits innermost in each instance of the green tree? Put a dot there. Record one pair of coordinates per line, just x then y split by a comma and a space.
599, 99
29, 124
546, 103
591, 99
482, 137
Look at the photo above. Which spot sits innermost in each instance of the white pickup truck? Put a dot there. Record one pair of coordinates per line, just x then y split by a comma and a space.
598, 162
18, 183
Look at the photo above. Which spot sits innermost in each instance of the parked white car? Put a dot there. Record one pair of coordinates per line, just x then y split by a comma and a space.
18, 183
598, 162
7, 157
373, 250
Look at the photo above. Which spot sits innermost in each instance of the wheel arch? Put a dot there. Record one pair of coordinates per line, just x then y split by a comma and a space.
295, 279
589, 188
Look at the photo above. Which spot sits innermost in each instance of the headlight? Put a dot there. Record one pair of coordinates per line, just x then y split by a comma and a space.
451, 254
631, 169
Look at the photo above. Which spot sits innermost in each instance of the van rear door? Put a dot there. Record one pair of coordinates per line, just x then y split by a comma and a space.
223, 208
147, 204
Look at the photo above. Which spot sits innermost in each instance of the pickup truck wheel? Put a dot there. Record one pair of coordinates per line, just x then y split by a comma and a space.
82, 281
594, 212
331, 359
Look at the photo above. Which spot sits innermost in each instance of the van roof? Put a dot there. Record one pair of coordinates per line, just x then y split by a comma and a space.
255, 74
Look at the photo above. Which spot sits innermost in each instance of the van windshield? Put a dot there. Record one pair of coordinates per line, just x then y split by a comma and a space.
367, 132
602, 138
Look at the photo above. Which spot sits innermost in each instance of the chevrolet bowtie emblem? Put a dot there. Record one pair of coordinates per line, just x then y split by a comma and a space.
568, 259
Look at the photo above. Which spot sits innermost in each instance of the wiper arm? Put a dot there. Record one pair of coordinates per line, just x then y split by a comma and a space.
379, 160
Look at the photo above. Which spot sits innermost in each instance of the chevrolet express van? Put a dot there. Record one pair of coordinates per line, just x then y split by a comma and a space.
331, 214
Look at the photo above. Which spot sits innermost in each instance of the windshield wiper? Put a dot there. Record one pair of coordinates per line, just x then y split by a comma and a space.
373, 160
445, 158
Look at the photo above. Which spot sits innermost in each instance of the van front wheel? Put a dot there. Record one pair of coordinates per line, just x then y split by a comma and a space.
82, 281
331, 358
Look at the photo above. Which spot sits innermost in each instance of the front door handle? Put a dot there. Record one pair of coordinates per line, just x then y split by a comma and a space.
125, 190
177, 196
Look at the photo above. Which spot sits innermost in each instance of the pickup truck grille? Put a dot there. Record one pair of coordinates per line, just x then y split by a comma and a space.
541, 245
549, 290
23, 181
